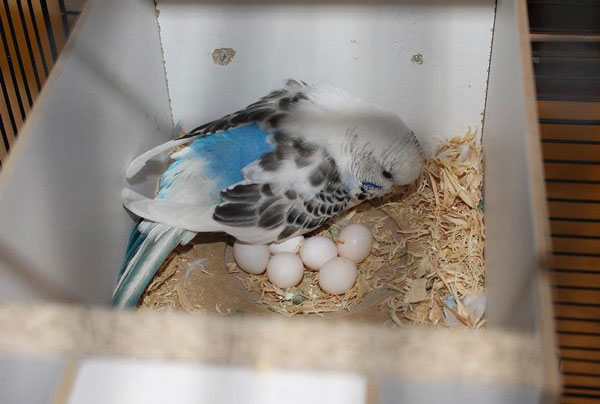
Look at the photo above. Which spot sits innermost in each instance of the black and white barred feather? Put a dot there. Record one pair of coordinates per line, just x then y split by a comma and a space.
279, 205
267, 112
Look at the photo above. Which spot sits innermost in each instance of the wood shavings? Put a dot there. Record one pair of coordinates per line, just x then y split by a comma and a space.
416, 290
444, 235
161, 292
232, 268
163, 276
221, 312
183, 299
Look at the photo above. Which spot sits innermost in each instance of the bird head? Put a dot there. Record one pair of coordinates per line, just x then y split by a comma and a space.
373, 148
384, 152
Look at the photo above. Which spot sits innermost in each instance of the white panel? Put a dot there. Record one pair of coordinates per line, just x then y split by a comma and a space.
103, 381
29, 379
63, 229
363, 47
403, 392
510, 253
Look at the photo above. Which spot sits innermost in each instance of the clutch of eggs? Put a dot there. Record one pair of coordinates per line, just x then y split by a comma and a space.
285, 262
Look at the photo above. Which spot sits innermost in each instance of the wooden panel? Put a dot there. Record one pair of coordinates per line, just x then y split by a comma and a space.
589, 192
561, 75
3, 147
576, 89
585, 395
564, 38
56, 24
591, 368
576, 311
18, 79
587, 296
578, 326
572, 152
32, 36
589, 392
580, 354
12, 99
551, 16
574, 210
576, 380
576, 262
589, 111
576, 245
575, 228
584, 172
571, 132
552, 67
7, 135
32, 81
567, 399
580, 341
43, 31
580, 279
563, 50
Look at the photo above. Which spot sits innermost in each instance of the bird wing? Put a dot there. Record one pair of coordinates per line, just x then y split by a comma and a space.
208, 164
267, 112
290, 190
279, 203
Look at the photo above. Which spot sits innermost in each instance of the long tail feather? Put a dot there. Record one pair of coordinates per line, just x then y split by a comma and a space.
151, 252
196, 218
136, 238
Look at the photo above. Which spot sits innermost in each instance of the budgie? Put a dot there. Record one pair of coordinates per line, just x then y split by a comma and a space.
281, 167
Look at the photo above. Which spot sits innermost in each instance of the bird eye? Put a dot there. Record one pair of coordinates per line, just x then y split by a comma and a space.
386, 174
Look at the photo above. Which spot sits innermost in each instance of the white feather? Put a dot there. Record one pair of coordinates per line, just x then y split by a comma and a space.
139, 162
188, 183
196, 218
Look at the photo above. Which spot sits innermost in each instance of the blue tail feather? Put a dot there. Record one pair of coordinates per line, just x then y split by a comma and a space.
148, 252
136, 238
224, 156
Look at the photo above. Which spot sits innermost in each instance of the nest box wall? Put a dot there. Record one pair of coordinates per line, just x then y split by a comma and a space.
427, 60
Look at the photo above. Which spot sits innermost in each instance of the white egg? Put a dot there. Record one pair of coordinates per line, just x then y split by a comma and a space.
316, 251
355, 242
285, 269
338, 275
290, 245
251, 258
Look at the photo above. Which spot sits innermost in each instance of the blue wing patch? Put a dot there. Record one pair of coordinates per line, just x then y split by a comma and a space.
225, 154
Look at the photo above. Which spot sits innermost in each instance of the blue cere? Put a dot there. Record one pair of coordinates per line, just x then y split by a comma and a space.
369, 186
